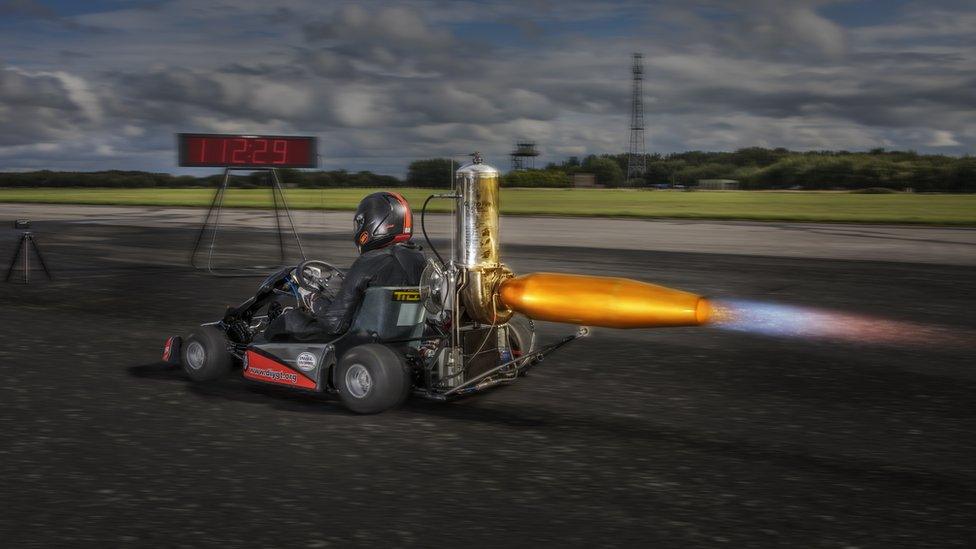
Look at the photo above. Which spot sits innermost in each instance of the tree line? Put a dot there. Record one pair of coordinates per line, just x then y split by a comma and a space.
753, 168
134, 179
760, 168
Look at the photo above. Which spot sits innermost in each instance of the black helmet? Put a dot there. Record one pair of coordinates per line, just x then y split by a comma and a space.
382, 219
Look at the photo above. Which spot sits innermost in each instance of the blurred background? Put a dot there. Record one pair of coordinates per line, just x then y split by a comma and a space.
806, 164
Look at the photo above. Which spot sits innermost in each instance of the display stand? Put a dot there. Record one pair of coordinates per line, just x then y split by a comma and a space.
211, 224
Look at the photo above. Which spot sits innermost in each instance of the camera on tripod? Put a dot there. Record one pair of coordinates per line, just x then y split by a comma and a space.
27, 245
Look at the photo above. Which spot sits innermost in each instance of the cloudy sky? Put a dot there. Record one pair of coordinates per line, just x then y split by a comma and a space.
105, 84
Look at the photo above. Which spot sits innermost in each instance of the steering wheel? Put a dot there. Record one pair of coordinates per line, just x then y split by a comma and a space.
319, 277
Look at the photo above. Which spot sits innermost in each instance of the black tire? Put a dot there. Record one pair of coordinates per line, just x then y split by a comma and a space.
204, 354
372, 378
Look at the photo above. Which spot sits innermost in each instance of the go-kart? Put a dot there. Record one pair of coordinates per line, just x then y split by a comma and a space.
460, 331
394, 347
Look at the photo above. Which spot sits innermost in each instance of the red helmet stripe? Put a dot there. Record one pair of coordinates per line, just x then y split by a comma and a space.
407, 217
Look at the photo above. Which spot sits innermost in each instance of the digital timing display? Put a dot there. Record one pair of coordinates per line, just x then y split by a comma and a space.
247, 151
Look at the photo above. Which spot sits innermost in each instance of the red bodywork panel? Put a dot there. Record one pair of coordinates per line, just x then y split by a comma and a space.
261, 368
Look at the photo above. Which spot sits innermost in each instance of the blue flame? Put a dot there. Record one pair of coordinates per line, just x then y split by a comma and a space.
778, 320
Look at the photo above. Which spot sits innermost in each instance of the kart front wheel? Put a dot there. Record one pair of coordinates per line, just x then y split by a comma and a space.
372, 378
204, 354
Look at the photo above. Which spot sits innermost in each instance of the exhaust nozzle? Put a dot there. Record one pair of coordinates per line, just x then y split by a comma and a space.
602, 301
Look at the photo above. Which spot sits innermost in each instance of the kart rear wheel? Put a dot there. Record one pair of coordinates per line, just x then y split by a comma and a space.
372, 378
204, 354
521, 335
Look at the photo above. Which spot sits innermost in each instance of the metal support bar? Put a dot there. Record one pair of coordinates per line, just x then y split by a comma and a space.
40, 257
272, 182
521, 362
287, 210
211, 221
13, 260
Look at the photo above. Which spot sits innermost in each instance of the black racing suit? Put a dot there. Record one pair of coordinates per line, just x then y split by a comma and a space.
396, 265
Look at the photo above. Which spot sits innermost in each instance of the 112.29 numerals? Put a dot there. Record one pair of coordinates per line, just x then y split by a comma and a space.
243, 151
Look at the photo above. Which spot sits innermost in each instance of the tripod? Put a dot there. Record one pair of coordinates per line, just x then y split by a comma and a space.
27, 243
211, 223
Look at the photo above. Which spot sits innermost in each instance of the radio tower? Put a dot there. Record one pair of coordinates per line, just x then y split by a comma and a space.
637, 159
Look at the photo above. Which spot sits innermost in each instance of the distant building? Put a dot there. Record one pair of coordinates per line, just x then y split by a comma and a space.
523, 157
585, 180
717, 185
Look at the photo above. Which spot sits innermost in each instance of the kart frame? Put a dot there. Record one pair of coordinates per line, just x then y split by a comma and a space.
375, 322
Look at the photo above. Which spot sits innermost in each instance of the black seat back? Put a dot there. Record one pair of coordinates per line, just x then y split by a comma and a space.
391, 313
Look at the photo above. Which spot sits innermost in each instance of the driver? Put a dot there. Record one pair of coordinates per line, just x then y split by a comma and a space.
383, 228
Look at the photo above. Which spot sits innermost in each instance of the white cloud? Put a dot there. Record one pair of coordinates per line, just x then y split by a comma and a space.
358, 106
942, 138
382, 84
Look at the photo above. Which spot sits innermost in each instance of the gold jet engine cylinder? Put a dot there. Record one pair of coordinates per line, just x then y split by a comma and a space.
602, 301
477, 237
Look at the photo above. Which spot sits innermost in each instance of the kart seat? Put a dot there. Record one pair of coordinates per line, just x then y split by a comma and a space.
389, 313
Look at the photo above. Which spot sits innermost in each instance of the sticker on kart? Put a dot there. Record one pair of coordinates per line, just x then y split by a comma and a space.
267, 370
406, 295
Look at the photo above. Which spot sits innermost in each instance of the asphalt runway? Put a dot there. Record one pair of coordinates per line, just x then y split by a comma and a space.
690, 437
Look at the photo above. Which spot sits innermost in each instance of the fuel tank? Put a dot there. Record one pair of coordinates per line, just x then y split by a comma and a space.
477, 236
602, 301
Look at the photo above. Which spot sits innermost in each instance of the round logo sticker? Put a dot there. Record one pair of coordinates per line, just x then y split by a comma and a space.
306, 361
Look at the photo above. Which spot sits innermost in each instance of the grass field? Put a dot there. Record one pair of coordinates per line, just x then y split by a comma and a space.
940, 209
